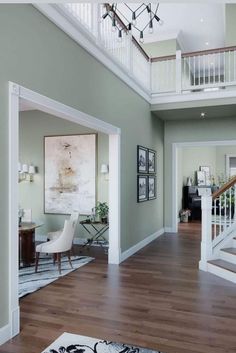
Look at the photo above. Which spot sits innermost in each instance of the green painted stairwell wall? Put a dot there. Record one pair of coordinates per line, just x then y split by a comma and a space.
38, 55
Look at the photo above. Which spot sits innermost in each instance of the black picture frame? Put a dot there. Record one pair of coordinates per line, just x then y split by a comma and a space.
152, 187
142, 188
151, 161
142, 160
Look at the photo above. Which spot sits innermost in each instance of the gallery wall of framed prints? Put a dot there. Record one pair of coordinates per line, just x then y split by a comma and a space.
146, 174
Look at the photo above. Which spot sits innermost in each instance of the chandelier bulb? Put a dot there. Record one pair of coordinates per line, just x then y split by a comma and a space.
120, 35
150, 27
134, 22
104, 16
113, 25
141, 37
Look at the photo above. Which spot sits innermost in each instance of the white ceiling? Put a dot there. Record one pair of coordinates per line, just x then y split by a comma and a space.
198, 26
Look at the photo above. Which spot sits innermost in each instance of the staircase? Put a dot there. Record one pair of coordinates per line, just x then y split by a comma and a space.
218, 245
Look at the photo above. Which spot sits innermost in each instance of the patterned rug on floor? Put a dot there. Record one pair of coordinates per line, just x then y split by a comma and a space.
29, 281
69, 343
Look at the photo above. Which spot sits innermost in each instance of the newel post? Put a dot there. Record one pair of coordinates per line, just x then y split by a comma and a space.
178, 75
206, 242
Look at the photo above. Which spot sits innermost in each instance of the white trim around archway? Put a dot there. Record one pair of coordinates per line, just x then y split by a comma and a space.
175, 147
50, 106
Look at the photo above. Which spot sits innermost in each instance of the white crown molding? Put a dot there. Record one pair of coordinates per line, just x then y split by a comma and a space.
131, 251
58, 16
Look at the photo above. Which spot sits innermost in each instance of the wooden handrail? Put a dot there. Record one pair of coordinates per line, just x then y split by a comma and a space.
136, 43
224, 188
195, 53
209, 51
163, 58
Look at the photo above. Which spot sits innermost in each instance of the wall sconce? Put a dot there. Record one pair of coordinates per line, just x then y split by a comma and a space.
105, 171
25, 172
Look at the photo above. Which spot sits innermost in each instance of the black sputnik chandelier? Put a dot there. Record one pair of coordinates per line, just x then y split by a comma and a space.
125, 18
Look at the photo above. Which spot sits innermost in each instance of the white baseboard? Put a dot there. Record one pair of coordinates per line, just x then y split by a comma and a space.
131, 251
15, 322
169, 230
5, 334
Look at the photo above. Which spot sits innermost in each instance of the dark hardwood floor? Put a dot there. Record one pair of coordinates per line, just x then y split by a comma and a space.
157, 299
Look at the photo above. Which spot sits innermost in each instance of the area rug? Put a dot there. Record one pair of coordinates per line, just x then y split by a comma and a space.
29, 281
69, 343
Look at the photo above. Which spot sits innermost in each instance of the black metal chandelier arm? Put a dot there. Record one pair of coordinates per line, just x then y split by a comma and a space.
141, 12
122, 15
119, 19
133, 10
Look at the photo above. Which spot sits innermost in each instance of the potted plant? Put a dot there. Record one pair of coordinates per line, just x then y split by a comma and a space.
102, 210
184, 214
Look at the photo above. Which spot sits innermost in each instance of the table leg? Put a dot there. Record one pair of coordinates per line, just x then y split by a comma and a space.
28, 247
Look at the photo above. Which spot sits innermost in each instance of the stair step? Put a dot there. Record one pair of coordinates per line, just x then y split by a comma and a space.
230, 250
224, 265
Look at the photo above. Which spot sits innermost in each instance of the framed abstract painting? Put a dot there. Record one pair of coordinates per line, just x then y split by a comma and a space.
70, 173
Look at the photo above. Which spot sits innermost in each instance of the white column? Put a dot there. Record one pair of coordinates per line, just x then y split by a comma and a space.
14, 312
178, 74
114, 199
206, 243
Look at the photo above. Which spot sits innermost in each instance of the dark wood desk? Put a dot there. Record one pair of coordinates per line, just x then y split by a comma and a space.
27, 243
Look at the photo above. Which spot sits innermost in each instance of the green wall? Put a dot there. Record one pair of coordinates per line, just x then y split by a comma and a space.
191, 131
36, 54
161, 48
230, 25
34, 125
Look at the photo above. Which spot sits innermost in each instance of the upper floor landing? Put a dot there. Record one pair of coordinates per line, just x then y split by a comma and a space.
165, 82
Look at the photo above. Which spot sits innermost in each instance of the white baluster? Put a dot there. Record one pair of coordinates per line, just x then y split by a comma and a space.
224, 66
206, 242
220, 229
199, 70
219, 67
189, 71
204, 69
225, 210
234, 68
214, 233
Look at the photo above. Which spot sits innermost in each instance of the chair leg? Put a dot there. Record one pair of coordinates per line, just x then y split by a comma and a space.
69, 258
59, 262
54, 258
37, 261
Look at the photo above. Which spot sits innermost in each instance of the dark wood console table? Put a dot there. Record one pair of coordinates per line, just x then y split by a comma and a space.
27, 243
95, 230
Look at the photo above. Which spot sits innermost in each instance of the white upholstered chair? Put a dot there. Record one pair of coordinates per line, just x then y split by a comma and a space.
62, 244
54, 235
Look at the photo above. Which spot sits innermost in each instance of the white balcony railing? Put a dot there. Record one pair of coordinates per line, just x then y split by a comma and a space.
170, 74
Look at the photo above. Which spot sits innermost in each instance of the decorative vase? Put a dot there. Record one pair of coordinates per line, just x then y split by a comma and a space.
189, 181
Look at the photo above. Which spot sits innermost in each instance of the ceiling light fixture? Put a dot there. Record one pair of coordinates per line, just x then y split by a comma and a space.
203, 115
201, 20
207, 43
125, 19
